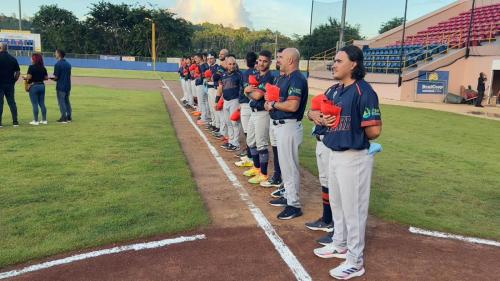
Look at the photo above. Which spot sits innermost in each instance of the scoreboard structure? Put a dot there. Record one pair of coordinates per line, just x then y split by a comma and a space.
20, 40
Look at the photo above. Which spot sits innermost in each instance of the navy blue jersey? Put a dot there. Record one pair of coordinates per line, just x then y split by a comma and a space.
319, 130
263, 80
217, 72
292, 87
181, 71
251, 71
203, 67
360, 109
231, 83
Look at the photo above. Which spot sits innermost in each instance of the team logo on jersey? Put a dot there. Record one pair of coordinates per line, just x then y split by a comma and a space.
294, 91
369, 112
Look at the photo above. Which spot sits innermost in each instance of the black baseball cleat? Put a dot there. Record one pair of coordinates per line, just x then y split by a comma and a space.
325, 240
319, 225
289, 213
280, 192
280, 202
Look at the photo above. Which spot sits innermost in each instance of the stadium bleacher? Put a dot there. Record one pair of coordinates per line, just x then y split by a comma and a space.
451, 33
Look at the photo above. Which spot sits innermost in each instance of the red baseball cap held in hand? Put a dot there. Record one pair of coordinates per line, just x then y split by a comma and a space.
317, 101
220, 104
329, 108
236, 115
252, 80
272, 93
208, 73
192, 67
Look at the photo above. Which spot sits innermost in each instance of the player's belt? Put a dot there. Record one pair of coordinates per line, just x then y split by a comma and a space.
283, 121
257, 110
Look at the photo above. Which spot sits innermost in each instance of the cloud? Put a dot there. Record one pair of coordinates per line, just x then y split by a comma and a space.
230, 13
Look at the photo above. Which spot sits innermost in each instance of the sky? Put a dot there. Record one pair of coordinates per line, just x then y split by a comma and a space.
286, 16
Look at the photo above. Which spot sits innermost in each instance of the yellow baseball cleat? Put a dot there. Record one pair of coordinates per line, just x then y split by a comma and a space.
252, 172
258, 179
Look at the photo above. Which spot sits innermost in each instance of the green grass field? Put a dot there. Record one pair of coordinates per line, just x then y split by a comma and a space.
113, 73
438, 171
116, 173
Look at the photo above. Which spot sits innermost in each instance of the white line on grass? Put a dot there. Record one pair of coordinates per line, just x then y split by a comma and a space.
286, 254
438, 234
119, 249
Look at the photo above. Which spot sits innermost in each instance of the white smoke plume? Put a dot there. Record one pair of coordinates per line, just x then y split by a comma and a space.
229, 13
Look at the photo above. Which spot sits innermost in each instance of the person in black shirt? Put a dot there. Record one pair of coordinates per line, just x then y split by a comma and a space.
37, 74
9, 74
480, 89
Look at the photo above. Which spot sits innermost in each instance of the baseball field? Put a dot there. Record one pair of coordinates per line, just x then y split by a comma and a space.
132, 168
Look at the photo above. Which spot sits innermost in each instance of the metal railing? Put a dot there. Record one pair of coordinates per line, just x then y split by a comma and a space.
19, 53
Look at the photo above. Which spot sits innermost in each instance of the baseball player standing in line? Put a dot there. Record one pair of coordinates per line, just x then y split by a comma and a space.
200, 91
212, 91
325, 223
193, 75
287, 117
182, 64
258, 127
230, 87
350, 164
251, 60
275, 180
187, 82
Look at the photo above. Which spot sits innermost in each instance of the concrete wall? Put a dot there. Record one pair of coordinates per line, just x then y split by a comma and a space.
462, 72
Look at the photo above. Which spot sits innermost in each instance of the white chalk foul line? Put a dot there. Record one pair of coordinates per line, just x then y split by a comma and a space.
438, 234
286, 254
133, 247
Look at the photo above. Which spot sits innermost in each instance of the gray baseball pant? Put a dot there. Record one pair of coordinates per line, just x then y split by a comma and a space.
233, 127
349, 181
289, 136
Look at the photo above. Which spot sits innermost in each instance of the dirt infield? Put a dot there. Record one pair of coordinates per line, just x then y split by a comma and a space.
237, 249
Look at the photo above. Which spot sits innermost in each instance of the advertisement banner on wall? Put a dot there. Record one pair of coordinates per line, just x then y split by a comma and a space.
432, 82
104, 57
126, 58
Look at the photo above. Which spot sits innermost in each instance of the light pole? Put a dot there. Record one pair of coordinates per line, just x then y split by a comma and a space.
20, 22
153, 43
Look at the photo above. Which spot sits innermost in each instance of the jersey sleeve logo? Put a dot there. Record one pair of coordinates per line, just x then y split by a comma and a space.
294, 91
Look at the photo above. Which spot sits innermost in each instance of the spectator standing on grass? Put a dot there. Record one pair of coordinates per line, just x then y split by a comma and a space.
9, 74
62, 75
37, 74
480, 89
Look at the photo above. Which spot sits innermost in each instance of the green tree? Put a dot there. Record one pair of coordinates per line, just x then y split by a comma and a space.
12, 22
121, 29
213, 37
390, 24
325, 37
58, 28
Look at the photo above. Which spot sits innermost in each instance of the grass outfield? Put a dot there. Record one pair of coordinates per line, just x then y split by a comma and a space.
117, 173
113, 73
438, 171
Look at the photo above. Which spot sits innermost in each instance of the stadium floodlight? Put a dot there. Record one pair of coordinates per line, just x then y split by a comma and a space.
400, 72
20, 21
153, 42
